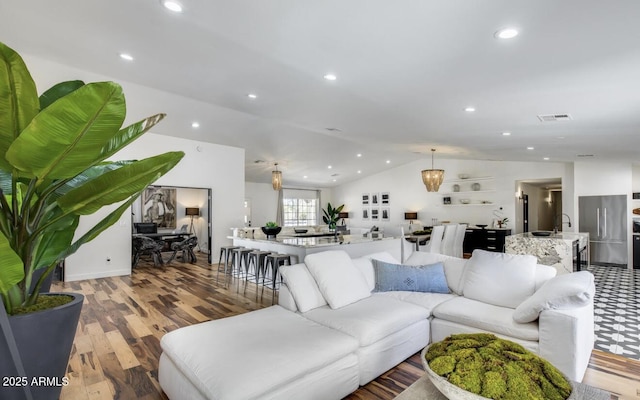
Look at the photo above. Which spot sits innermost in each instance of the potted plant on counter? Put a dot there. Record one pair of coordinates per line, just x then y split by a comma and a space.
53, 170
331, 215
271, 229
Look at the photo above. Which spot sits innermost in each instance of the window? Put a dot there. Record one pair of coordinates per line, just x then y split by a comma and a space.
300, 207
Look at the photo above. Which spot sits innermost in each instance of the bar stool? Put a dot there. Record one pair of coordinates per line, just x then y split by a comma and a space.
226, 251
257, 259
275, 260
237, 257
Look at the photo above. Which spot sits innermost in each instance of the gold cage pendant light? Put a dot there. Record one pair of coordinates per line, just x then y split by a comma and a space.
276, 179
432, 178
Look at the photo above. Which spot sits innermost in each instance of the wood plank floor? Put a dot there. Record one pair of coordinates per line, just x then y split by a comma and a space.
117, 345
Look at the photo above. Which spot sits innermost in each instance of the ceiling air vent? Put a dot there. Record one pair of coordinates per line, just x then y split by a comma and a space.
585, 155
554, 117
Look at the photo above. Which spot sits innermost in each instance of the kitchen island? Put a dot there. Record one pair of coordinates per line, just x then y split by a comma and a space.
299, 246
564, 251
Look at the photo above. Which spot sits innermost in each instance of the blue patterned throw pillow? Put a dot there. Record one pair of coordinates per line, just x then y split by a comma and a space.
410, 278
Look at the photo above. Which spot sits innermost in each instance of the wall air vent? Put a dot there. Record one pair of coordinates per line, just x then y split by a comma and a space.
554, 117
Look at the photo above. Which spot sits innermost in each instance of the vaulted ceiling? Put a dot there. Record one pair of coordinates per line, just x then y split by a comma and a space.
406, 70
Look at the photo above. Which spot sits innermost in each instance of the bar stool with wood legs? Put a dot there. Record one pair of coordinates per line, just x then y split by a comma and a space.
257, 259
225, 251
275, 260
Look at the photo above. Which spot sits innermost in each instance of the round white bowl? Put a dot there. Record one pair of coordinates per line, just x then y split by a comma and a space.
453, 392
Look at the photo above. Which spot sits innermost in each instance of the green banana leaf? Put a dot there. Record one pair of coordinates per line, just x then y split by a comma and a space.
68, 136
117, 185
18, 100
54, 242
106, 222
128, 135
57, 91
12, 270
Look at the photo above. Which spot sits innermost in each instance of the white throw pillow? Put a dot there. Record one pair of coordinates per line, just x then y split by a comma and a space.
340, 282
500, 279
453, 267
365, 266
562, 292
302, 286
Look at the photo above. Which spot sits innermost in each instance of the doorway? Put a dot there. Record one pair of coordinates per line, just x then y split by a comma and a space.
538, 204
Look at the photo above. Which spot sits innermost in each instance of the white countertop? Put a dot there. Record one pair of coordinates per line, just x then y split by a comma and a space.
321, 241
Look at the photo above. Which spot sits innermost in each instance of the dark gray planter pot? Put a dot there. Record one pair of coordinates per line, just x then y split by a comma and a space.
44, 339
271, 232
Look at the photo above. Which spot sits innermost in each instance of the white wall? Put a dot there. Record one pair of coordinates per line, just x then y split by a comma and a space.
220, 168
407, 192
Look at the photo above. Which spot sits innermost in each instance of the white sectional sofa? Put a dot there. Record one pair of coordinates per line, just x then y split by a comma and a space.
361, 317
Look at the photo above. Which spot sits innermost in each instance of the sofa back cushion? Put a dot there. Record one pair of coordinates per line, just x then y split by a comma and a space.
338, 279
410, 278
500, 279
365, 265
302, 286
543, 274
453, 267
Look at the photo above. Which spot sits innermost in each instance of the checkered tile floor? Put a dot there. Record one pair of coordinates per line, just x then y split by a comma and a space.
617, 311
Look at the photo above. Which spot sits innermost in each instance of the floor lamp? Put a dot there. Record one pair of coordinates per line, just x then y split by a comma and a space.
193, 212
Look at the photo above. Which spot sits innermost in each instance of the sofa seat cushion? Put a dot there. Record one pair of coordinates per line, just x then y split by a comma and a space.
214, 355
426, 300
485, 316
370, 319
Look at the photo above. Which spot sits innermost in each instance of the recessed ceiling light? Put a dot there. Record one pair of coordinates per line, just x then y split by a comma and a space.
334, 180
470, 109
506, 33
506, 133
530, 148
546, 158
305, 177
126, 56
195, 125
359, 171
329, 166
388, 161
252, 96
359, 155
330, 77
172, 6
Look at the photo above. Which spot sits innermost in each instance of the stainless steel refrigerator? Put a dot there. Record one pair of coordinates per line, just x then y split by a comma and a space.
604, 217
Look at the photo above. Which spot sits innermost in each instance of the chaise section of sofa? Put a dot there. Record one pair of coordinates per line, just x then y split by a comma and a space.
266, 354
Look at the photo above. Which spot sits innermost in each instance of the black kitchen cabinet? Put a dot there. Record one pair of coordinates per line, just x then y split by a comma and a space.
491, 239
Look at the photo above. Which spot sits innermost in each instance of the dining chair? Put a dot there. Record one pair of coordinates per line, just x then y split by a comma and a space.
458, 241
447, 240
435, 243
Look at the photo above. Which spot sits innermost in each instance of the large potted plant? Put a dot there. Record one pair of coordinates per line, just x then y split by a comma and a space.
331, 215
53, 170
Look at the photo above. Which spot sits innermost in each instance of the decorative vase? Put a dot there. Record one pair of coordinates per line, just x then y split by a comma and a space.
44, 340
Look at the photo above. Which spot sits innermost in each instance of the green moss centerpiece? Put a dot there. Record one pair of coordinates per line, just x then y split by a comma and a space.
482, 366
